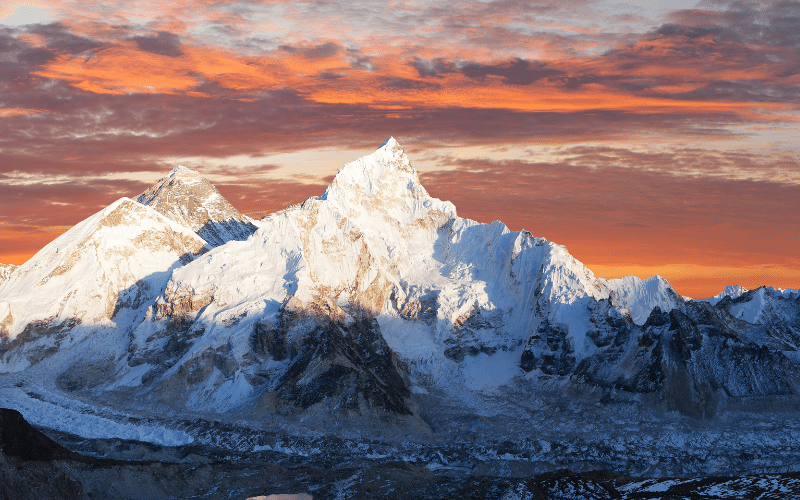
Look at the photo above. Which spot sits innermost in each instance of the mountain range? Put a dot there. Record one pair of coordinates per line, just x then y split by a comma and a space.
374, 311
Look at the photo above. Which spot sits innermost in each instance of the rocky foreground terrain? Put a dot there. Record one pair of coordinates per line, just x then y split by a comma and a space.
32, 466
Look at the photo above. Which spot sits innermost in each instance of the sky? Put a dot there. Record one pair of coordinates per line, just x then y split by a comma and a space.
647, 137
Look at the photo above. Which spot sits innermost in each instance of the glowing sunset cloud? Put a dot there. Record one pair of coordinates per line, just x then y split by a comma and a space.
645, 140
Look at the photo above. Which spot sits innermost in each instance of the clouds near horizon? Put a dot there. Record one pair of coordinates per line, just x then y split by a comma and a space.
694, 107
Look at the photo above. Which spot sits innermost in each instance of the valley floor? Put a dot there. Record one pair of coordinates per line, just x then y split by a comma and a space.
71, 476
612, 453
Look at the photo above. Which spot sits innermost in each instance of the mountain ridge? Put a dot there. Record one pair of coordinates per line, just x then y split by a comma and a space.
374, 301
78, 276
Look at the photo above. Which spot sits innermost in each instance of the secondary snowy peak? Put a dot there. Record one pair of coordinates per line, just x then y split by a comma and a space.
641, 296
5, 271
111, 260
189, 199
765, 306
732, 291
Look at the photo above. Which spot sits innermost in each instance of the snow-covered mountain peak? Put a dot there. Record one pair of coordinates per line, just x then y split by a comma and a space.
389, 143
184, 172
185, 197
383, 182
189, 199
363, 299
641, 296
732, 291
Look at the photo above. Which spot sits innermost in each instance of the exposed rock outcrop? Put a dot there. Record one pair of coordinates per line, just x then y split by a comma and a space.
189, 199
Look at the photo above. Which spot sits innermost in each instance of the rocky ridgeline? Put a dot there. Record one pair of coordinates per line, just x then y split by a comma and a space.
187, 198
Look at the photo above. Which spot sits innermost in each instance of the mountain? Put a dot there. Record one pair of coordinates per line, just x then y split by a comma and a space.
375, 311
120, 257
458, 304
775, 309
354, 296
449, 298
189, 199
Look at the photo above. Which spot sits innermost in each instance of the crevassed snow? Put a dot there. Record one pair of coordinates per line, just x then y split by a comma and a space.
61, 418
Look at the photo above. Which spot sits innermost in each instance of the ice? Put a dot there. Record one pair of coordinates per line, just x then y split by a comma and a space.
74, 421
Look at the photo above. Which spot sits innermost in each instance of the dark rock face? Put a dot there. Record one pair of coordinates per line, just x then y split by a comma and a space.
26, 457
556, 358
165, 346
36, 330
713, 355
267, 340
422, 309
469, 338
217, 233
351, 363
696, 356
687, 335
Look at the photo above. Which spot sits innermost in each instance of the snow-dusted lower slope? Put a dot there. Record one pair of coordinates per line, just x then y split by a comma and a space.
189, 199
119, 257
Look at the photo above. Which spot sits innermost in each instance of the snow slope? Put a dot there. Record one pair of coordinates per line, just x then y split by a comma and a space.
640, 296
5, 271
120, 255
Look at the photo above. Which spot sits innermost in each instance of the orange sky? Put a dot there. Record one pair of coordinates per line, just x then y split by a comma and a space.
643, 139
